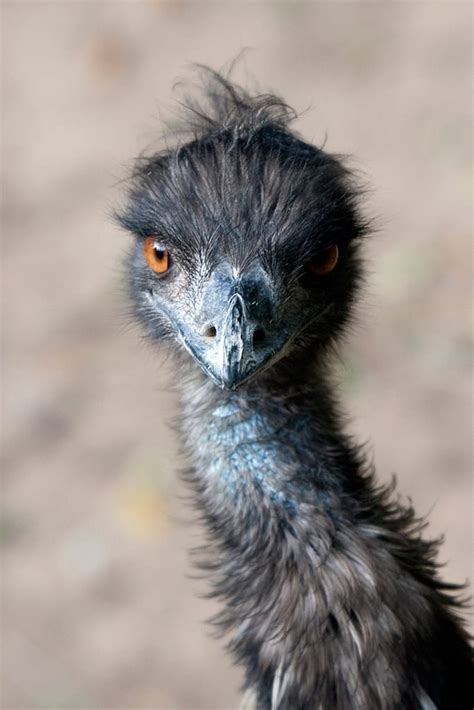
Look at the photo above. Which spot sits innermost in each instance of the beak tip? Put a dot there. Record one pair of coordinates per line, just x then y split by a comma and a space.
228, 383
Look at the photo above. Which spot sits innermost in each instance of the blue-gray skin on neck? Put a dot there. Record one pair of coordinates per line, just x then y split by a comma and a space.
248, 450
250, 444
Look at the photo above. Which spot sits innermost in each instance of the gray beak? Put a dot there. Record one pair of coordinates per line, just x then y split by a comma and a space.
236, 336
236, 343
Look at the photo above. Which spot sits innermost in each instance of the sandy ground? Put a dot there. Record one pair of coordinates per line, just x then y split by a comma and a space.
98, 610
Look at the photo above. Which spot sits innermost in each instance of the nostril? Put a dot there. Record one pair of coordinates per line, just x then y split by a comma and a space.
258, 337
210, 332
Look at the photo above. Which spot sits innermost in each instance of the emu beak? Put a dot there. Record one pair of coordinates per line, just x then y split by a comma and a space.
236, 344
237, 336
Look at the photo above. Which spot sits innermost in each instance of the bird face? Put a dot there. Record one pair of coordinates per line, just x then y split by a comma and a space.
228, 321
243, 253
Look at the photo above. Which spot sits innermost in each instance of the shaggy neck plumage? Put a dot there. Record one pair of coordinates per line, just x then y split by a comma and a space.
313, 561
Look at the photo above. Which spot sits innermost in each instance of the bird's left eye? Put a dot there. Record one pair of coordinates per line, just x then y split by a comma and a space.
324, 262
156, 256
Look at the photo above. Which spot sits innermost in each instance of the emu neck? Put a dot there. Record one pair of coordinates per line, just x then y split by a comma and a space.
312, 560
272, 443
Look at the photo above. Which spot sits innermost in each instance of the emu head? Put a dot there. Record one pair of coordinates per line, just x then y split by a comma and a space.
245, 249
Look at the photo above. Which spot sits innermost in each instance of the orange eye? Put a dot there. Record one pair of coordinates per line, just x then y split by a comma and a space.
325, 262
157, 257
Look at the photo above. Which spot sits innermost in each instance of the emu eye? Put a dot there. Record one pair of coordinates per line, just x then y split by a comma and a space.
324, 262
156, 256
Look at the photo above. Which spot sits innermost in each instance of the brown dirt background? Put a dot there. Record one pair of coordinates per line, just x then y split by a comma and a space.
97, 608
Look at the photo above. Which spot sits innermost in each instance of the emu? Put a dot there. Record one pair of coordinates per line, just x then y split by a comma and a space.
246, 264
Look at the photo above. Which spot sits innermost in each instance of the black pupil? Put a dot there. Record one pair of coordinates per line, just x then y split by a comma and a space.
322, 258
159, 253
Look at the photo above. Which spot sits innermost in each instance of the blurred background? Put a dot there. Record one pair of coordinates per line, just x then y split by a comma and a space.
98, 610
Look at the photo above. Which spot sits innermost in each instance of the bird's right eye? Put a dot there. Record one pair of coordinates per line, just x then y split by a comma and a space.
156, 256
